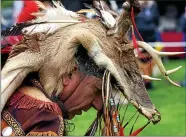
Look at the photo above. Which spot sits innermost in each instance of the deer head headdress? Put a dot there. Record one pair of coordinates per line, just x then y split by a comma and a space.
58, 39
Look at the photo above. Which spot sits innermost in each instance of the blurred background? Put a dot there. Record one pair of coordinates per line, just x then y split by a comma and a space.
163, 25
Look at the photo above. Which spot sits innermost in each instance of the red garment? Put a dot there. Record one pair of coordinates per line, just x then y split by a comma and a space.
28, 116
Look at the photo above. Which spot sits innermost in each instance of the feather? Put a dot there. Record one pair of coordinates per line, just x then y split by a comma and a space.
86, 11
50, 21
97, 11
107, 18
93, 127
57, 4
41, 5
135, 133
55, 18
38, 14
101, 5
16, 30
107, 87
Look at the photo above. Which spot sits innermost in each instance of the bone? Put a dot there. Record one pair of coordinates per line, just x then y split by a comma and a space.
169, 53
173, 70
155, 55
172, 82
150, 78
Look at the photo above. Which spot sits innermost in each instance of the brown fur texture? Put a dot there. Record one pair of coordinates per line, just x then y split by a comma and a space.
53, 55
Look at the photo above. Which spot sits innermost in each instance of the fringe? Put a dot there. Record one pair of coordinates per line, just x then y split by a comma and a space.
49, 133
27, 102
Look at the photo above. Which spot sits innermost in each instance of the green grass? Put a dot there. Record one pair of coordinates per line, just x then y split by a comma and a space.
6, 3
169, 101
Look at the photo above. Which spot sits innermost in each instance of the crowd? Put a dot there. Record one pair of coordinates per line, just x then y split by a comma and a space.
149, 15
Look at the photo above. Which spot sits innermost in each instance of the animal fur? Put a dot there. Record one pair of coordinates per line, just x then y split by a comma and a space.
54, 56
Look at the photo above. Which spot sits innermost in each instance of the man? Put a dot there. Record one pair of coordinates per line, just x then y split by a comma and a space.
45, 116
30, 111
54, 74
182, 21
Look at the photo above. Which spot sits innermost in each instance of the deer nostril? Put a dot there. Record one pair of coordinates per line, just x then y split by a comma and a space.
156, 118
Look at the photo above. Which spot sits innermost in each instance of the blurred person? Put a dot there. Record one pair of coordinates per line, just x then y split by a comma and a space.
183, 83
168, 22
7, 18
77, 5
17, 8
116, 5
4, 22
74, 5
147, 22
146, 66
182, 25
182, 22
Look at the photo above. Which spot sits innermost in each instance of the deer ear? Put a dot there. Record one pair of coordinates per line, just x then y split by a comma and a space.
14, 72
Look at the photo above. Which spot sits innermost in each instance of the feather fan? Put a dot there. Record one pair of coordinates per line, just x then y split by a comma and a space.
16, 30
56, 18
50, 20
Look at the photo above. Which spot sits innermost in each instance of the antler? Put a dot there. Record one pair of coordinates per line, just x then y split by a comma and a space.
156, 56
150, 78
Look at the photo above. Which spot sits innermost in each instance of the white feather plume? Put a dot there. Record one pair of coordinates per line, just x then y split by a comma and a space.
41, 5
56, 18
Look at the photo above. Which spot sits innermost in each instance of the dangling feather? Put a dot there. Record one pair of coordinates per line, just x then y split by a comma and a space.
97, 11
16, 30
135, 133
106, 18
38, 14
56, 18
93, 128
49, 21
41, 5
86, 11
